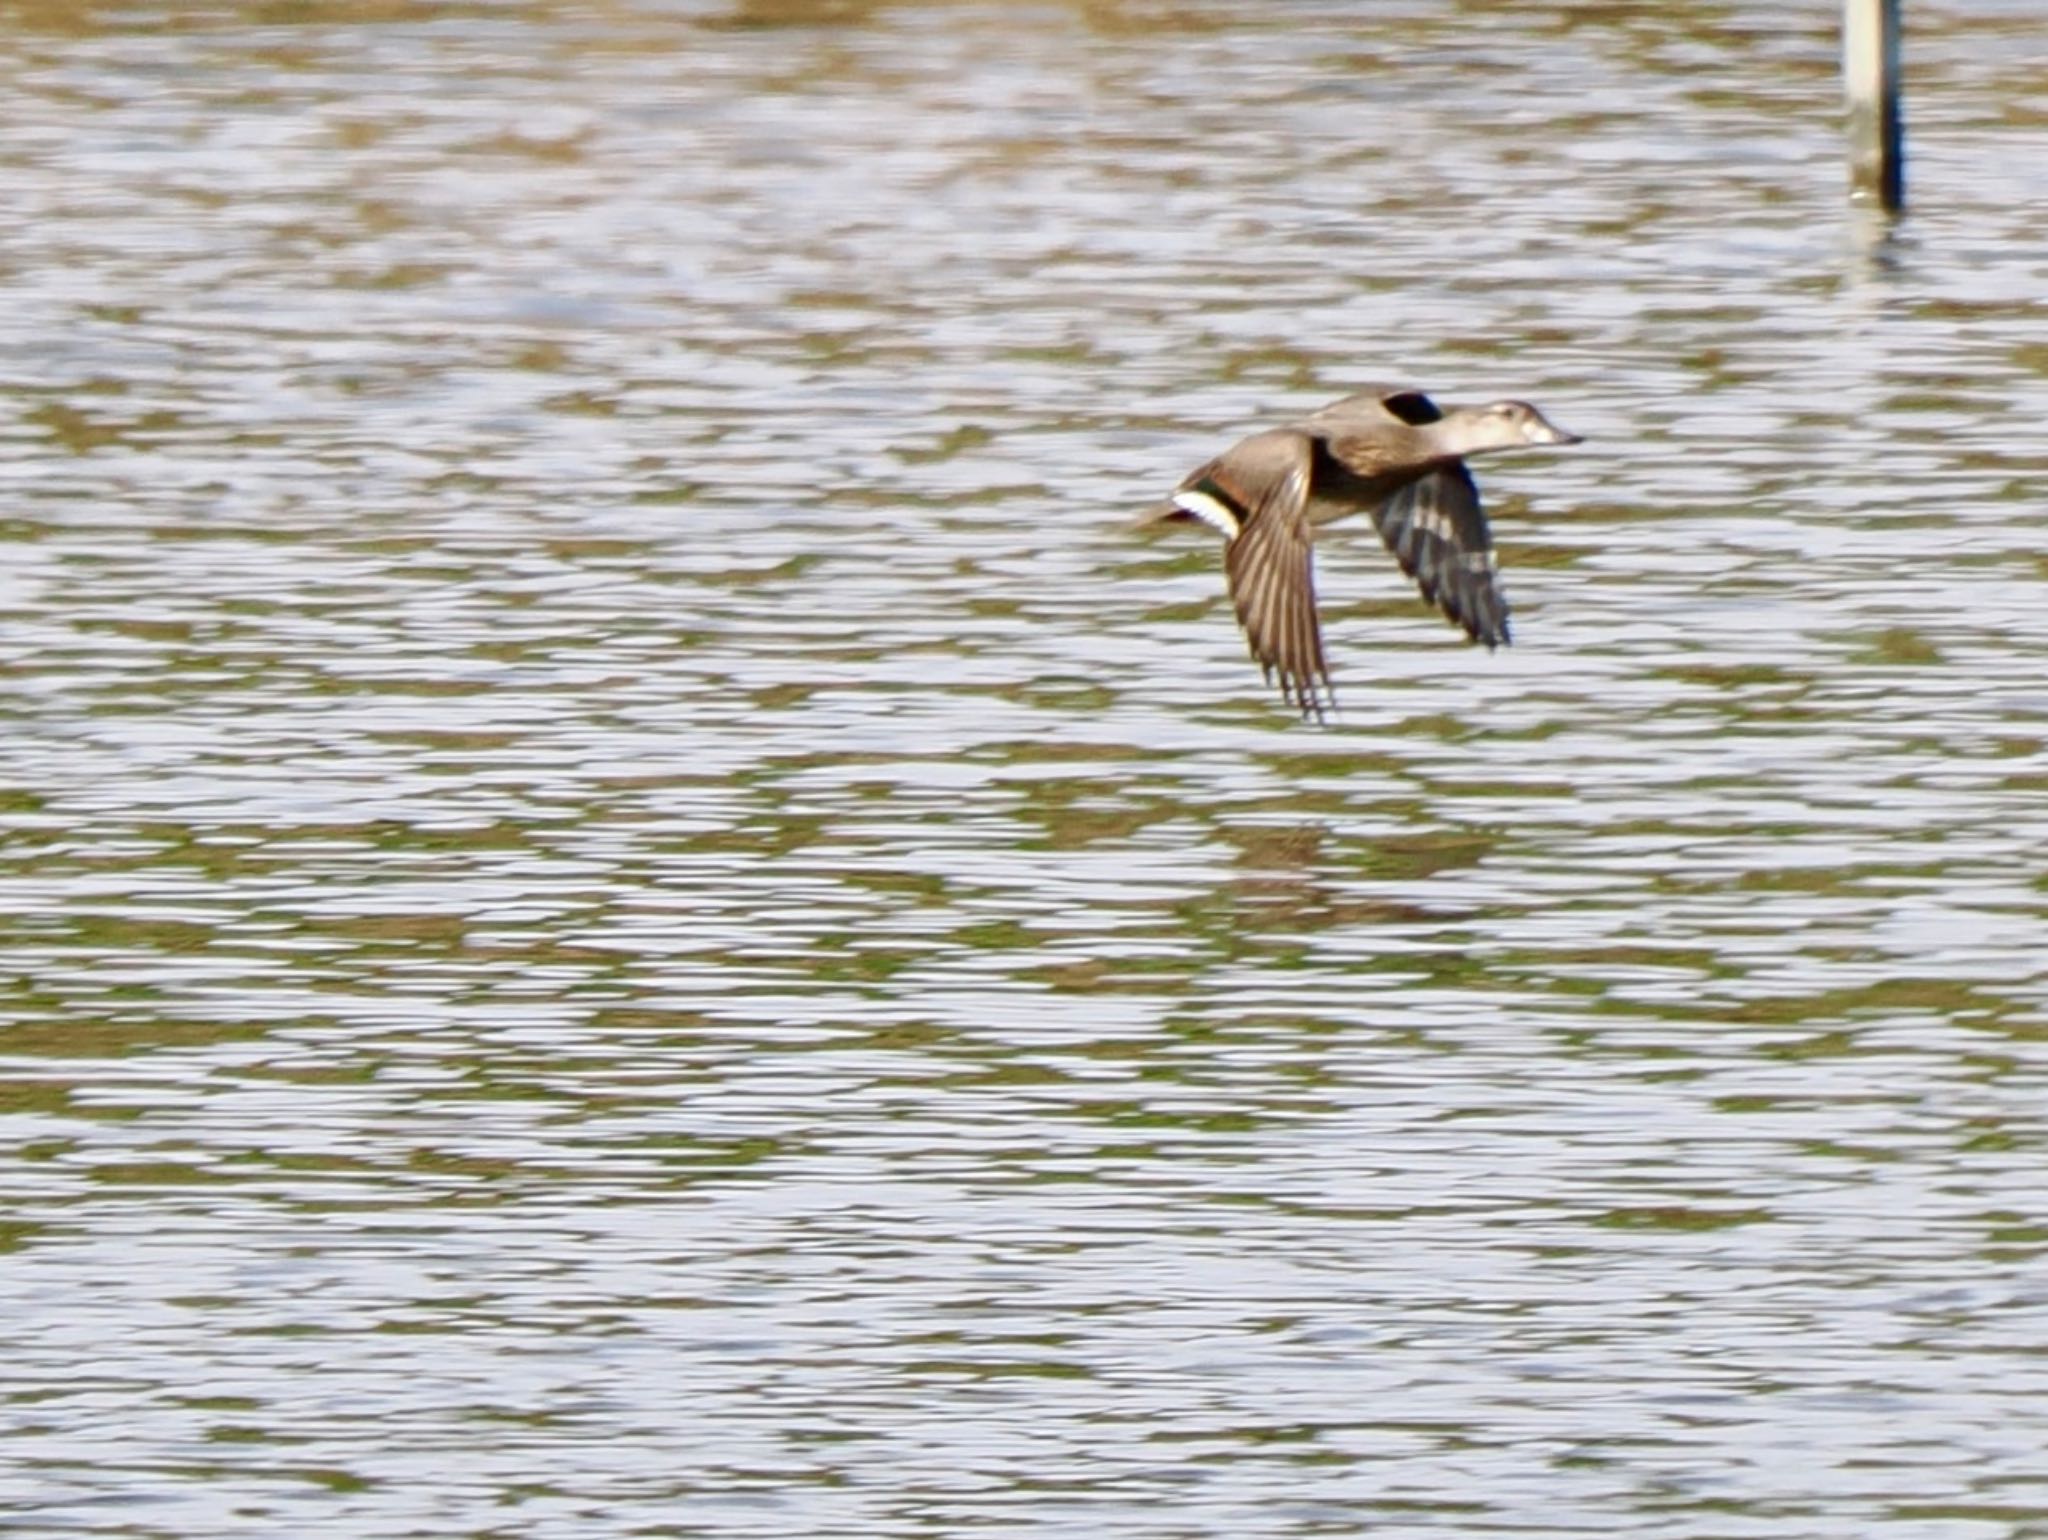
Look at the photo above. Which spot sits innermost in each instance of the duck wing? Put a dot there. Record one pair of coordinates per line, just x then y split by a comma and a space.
1257, 495
1439, 534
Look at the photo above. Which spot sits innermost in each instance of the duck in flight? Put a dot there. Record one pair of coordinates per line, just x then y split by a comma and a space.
1390, 452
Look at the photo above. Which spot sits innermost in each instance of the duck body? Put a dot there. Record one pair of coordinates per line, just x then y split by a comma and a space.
1390, 452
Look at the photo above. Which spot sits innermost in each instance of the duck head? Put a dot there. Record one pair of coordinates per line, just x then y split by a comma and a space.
1501, 425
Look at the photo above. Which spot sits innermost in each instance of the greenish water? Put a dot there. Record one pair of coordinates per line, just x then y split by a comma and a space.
631, 908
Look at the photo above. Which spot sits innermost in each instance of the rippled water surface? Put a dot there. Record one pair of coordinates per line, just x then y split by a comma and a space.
631, 907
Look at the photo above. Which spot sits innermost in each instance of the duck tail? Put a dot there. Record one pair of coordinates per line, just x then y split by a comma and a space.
1162, 513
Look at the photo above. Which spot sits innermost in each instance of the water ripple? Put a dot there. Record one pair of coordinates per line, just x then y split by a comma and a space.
631, 905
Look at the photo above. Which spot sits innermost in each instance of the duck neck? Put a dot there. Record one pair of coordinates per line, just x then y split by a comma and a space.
1449, 438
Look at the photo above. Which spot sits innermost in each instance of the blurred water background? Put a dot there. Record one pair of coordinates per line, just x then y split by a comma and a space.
630, 909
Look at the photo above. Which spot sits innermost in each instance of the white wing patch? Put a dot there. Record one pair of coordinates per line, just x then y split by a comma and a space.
1433, 521
1209, 510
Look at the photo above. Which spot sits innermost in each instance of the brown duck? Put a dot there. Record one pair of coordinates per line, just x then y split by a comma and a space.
1390, 452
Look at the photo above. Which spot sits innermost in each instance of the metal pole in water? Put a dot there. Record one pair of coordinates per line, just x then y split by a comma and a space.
1870, 84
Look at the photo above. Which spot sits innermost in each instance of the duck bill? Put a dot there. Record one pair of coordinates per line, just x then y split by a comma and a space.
1543, 431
